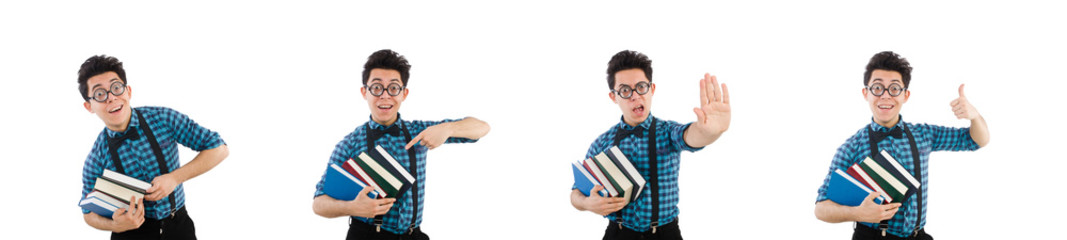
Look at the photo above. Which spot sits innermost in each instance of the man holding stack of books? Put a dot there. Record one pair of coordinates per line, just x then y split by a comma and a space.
654, 147
385, 79
886, 83
137, 156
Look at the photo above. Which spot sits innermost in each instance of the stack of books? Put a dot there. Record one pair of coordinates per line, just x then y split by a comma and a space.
376, 169
612, 170
113, 191
880, 173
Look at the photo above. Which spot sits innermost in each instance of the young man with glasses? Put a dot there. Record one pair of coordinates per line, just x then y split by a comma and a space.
654, 146
886, 82
385, 79
142, 143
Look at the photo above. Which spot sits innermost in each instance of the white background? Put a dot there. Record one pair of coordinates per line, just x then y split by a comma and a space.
280, 83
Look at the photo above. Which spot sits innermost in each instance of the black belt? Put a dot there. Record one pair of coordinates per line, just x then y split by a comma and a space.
364, 227
868, 231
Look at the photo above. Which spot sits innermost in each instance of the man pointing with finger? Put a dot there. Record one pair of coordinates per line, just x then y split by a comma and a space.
654, 146
385, 79
886, 83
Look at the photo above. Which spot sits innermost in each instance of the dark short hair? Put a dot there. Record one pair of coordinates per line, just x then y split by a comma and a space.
387, 59
625, 60
888, 61
97, 65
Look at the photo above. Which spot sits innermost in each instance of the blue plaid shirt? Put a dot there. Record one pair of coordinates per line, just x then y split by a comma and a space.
170, 128
929, 138
398, 219
670, 141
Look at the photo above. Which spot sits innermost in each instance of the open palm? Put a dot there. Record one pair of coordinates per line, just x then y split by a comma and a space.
713, 115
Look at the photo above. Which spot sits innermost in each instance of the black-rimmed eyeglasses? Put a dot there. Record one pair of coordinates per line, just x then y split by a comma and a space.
878, 89
377, 89
117, 88
625, 91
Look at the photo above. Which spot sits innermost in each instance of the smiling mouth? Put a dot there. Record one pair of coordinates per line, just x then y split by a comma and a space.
385, 107
883, 106
116, 109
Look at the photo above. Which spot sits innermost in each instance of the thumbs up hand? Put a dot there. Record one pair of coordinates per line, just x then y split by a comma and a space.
963, 108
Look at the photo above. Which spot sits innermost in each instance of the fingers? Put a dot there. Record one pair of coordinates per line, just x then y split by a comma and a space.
704, 95
961, 90
363, 193
595, 191
725, 94
414, 140
716, 93
870, 197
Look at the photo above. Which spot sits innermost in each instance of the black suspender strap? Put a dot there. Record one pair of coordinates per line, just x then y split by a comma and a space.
412, 161
653, 181
160, 159
653, 167
917, 168
919, 175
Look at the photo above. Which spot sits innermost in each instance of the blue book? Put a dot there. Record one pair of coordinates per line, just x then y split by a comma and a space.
341, 185
101, 204
585, 181
845, 190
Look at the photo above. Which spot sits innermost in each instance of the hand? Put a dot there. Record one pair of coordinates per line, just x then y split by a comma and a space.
602, 205
129, 218
433, 136
713, 115
162, 186
963, 108
871, 212
364, 206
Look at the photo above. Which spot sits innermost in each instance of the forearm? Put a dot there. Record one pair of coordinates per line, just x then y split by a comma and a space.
204, 161
695, 138
102, 223
469, 127
979, 131
576, 199
329, 207
831, 212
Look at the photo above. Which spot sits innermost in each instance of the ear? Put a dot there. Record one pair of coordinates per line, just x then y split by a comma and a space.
363, 92
404, 94
611, 95
652, 91
864, 93
129, 90
88, 106
907, 94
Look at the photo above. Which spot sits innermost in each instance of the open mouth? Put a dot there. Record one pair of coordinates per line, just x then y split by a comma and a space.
116, 109
885, 106
639, 109
385, 107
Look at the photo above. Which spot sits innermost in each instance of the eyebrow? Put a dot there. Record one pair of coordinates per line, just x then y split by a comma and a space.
390, 80
99, 85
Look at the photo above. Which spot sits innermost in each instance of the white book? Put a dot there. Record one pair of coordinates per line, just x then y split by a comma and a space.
600, 177
391, 160
629, 167
127, 180
893, 161
116, 190
615, 173
389, 178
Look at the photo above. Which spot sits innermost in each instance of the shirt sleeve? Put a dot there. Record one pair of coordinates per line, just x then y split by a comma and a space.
418, 126
340, 154
93, 168
676, 133
949, 138
190, 134
845, 155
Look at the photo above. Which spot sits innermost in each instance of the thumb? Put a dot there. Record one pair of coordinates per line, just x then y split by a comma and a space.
700, 114
363, 193
870, 197
595, 190
961, 90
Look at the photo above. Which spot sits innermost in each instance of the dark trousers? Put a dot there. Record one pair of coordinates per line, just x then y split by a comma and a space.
362, 231
177, 227
668, 231
863, 232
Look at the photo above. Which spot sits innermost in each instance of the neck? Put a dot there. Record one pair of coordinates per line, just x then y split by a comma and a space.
385, 122
890, 123
121, 127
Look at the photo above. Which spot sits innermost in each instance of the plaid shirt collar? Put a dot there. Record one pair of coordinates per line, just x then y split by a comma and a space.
133, 125
378, 126
646, 124
879, 128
